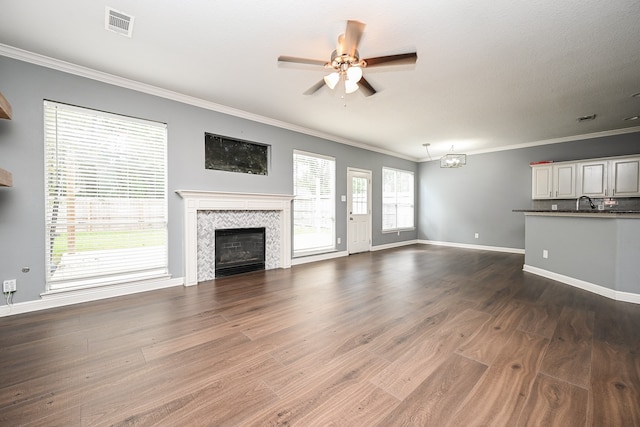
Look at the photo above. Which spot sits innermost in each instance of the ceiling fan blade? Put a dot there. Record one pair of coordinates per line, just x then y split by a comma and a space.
301, 60
340, 46
316, 87
400, 59
366, 88
352, 37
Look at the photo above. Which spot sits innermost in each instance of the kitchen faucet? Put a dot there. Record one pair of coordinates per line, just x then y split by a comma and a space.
584, 197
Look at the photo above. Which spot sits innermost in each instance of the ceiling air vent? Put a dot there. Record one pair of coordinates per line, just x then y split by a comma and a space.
587, 118
118, 22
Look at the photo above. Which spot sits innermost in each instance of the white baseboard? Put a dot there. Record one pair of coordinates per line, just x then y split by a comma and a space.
60, 299
468, 246
319, 257
393, 245
332, 255
587, 286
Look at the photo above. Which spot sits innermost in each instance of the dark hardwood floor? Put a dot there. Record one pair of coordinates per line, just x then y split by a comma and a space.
415, 336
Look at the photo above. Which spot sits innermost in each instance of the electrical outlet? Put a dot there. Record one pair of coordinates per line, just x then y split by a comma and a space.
545, 253
339, 240
477, 235
9, 285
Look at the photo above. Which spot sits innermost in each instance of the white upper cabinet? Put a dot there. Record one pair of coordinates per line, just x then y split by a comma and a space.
564, 181
541, 181
625, 177
592, 178
606, 177
553, 181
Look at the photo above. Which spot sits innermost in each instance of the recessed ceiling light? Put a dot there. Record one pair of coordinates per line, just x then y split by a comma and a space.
586, 118
633, 118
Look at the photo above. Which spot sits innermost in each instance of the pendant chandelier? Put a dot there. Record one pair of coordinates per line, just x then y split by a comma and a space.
452, 160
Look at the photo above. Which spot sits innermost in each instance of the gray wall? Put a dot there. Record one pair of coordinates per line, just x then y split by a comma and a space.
22, 231
628, 253
603, 251
452, 204
479, 198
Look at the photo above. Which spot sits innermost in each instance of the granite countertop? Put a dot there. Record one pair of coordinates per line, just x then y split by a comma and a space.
581, 211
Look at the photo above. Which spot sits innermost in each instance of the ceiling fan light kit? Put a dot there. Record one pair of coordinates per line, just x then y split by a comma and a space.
350, 86
346, 64
354, 74
345, 67
332, 80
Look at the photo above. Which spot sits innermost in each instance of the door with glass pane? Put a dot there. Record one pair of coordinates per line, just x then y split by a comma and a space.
359, 210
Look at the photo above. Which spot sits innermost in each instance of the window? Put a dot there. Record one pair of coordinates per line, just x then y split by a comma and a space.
106, 197
397, 200
314, 205
359, 193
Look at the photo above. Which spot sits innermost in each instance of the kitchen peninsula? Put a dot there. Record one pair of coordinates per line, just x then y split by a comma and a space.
596, 250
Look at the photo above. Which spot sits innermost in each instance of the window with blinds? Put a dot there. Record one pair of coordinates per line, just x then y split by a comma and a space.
314, 178
397, 200
106, 197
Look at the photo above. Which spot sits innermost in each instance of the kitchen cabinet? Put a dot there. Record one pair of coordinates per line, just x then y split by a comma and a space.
541, 181
625, 177
604, 177
553, 181
564, 181
592, 178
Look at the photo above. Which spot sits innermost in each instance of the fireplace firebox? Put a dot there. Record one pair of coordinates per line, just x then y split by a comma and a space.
239, 250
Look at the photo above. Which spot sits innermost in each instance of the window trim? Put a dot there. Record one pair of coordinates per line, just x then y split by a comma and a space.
319, 250
157, 267
398, 229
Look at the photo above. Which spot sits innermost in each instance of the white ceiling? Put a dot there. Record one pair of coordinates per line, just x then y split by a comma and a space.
489, 74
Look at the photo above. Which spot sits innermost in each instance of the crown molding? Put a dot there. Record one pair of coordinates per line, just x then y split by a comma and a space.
89, 73
549, 141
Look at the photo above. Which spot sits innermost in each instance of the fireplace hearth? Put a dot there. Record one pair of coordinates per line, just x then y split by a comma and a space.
206, 211
239, 250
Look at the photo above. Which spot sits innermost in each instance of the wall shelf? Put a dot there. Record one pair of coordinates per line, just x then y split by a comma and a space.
6, 179
5, 108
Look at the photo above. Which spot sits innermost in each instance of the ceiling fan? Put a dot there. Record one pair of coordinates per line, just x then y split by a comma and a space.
346, 64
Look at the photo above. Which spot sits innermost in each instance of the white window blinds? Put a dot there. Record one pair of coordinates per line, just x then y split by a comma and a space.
397, 199
314, 210
106, 197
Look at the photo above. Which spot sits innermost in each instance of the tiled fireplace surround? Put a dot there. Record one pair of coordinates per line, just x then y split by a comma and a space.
206, 211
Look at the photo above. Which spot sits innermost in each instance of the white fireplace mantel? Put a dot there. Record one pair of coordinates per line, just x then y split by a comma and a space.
195, 201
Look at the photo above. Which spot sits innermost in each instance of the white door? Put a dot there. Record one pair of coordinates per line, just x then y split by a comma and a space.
359, 210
